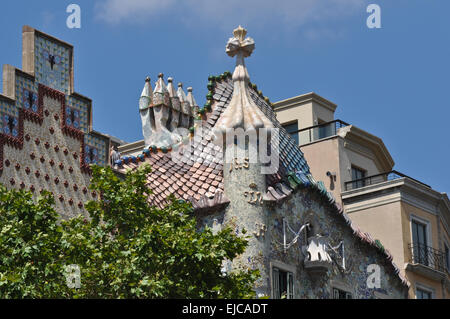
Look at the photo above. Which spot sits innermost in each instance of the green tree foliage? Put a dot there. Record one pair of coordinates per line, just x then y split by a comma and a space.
126, 249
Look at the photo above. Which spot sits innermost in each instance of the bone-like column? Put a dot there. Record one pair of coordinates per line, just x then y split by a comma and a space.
193, 105
185, 107
175, 106
145, 111
161, 101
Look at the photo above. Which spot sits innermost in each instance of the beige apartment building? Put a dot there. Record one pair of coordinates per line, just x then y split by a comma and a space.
408, 217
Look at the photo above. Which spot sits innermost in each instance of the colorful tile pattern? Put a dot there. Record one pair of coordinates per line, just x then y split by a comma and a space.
24, 88
80, 108
29, 100
52, 64
72, 117
95, 151
199, 170
90, 154
8, 108
10, 125
32, 130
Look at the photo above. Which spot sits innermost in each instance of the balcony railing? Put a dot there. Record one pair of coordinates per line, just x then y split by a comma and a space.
317, 132
379, 178
427, 256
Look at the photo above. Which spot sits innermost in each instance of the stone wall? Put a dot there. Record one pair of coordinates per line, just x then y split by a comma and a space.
48, 161
305, 206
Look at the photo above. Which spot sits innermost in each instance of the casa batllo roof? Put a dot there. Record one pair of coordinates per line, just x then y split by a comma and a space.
190, 166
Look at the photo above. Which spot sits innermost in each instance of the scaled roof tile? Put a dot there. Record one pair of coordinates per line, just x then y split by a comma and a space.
200, 167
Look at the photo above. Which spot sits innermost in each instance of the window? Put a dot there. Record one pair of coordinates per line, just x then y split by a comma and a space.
292, 130
283, 284
357, 174
341, 294
423, 294
420, 244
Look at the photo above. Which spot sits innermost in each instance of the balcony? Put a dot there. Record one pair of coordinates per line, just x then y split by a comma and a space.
427, 261
376, 179
318, 132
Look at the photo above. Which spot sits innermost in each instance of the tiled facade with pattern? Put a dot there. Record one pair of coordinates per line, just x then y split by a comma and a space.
46, 142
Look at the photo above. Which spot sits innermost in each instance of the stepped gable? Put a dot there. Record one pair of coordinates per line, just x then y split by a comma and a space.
46, 137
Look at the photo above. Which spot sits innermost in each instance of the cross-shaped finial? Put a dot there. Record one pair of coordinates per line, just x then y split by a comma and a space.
240, 33
51, 59
72, 116
91, 155
11, 124
242, 111
240, 44
30, 99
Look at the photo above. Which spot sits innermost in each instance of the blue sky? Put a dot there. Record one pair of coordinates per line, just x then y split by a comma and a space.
392, 82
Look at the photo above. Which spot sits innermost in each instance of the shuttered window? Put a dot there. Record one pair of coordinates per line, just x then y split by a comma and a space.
341, 294
282, 284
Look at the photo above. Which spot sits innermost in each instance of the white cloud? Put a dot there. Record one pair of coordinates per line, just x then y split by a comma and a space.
229, 13
135, 11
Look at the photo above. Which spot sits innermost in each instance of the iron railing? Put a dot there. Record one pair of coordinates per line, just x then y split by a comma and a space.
317, 132
427, 256
379, 178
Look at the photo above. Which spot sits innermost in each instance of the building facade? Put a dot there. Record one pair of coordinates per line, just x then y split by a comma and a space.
301, 240
46, 139
407, 216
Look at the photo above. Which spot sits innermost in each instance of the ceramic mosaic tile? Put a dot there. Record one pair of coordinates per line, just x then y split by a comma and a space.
52, 64
77, 112
95, 150
10, 124
200, 156
38, 153
8, 108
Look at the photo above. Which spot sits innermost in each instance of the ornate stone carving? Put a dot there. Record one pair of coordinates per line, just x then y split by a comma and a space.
317, 261
260, 230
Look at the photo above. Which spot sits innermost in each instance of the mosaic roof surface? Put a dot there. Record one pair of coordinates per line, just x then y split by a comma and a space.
198, 170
